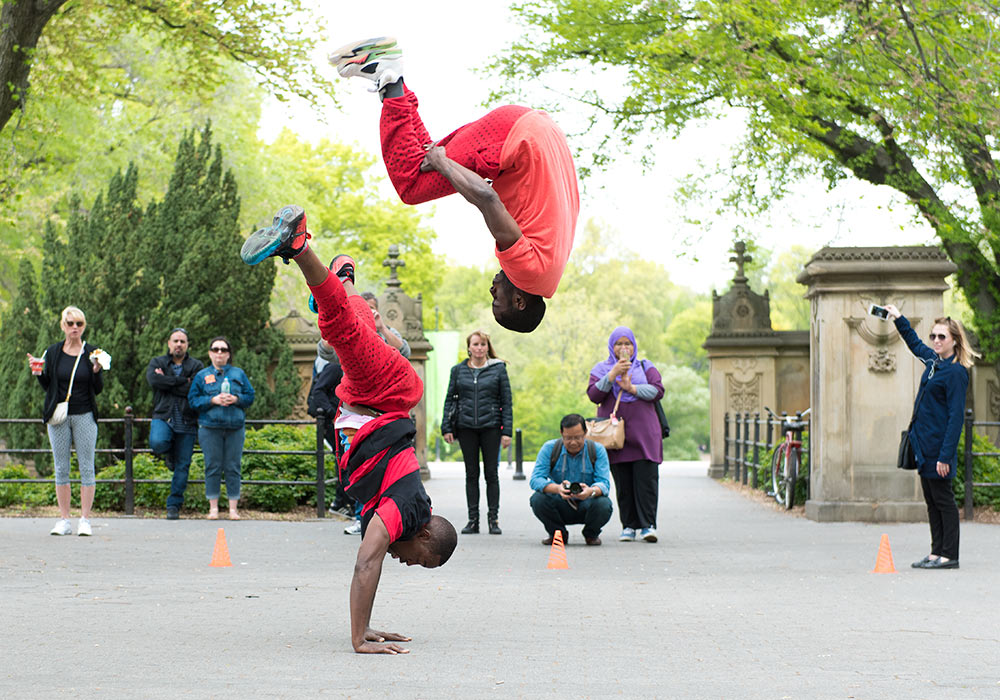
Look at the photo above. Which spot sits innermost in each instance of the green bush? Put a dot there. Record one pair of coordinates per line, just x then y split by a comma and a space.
280, 499
26, 495
984, 469
112, 496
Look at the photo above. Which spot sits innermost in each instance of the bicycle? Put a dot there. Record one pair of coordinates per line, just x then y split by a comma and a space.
787, 457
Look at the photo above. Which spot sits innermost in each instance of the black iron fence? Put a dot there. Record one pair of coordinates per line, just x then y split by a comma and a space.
744, 448
128, 452
969, 455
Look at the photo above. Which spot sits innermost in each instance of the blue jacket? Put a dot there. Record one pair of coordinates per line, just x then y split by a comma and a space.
939, 415
571, 468
207, 383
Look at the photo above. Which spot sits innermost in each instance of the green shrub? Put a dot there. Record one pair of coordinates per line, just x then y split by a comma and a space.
25, 495
144, 466
279, 499
984, 469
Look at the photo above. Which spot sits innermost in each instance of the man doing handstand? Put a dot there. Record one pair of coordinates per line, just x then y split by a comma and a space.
379, 466
513, 164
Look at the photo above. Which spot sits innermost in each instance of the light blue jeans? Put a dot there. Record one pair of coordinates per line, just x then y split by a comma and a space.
223, 450
79, 430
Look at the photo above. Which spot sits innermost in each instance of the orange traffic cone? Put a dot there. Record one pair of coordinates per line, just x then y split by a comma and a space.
220, 557
557, 554
883, 564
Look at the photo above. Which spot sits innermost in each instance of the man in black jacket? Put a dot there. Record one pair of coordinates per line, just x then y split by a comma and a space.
175, 425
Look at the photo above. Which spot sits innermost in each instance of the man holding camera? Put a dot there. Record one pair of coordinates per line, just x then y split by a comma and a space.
571, 480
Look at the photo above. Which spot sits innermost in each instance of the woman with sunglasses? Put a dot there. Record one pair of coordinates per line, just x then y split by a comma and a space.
937, 423
220, 393
65, 368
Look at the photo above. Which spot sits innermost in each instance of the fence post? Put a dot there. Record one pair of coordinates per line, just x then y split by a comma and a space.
129, 477
746, 446
518, 456
739, 446
969, 514
320, 463
725, 445
756, 445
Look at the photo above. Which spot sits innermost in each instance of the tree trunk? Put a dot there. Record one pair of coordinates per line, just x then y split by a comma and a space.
21, 24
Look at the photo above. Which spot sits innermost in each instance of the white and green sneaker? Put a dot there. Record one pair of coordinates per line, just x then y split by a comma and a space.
370, 59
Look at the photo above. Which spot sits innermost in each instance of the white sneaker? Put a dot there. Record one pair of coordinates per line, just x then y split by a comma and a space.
648, 534
628, 535
369, 59
83, 528
62, 527
353, 529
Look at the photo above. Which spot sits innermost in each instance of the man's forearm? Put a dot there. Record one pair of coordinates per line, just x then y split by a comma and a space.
363, 588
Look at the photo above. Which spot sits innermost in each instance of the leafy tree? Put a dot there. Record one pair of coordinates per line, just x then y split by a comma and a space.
138, 274
19, 335
686, 402
687, 333
62, 46
894, 94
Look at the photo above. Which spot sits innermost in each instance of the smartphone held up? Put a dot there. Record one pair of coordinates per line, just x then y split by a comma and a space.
878, 311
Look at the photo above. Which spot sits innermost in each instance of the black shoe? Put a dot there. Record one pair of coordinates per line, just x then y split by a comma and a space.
939, 564
285, 238
472, 528
168, 460
922, 563
495, 528
173, 514
593, 541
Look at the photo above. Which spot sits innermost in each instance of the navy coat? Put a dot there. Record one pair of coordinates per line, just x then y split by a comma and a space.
939, 415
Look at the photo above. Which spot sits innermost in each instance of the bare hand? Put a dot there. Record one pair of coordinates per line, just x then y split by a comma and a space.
377, 636
626, 383
893, 311
505, 441
449, 437
157, 371
620, 369
565, 492
377, 648
435, 158
379, 323
31, 360
943, 469
96, 366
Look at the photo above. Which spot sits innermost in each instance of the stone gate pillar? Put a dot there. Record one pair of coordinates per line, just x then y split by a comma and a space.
405, 314
864, 379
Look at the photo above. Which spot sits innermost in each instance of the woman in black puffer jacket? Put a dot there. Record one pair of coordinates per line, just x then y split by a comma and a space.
477, 412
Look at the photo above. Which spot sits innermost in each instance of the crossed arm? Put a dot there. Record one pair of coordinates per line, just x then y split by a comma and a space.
478, 192
367, 571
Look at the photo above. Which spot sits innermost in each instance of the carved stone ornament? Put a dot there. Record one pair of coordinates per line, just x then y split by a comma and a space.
744, 365
743, 396
876, 332
881, 360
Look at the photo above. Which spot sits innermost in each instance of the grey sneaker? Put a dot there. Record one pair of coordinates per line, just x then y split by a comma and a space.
353, 529
83, 528
62, 527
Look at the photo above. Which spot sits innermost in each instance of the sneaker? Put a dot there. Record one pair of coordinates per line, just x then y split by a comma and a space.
173, 514
648, 534
285, 238
368, 59
343, 267
353, 529
62, 527
628, 535
83, 528
312, 304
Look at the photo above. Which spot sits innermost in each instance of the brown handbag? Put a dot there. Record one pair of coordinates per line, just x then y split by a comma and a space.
610, 431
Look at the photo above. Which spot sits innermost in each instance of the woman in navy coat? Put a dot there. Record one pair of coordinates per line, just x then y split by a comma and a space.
937, 425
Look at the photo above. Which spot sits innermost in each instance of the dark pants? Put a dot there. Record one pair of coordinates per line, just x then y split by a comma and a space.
555, 513
637, 486
942, 514
164, 439
472, 442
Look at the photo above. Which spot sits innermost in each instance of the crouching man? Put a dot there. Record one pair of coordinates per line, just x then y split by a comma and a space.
571, 480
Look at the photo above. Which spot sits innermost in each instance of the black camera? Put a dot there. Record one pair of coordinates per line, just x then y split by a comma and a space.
575, 487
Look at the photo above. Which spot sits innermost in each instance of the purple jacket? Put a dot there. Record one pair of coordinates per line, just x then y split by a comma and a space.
642, 428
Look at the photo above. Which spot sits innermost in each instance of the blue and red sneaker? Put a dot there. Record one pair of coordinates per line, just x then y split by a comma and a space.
285, 238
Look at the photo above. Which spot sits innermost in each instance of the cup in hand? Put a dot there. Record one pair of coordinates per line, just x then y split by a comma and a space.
37, 364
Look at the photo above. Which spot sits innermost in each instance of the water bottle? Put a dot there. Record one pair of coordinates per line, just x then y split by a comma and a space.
224, 387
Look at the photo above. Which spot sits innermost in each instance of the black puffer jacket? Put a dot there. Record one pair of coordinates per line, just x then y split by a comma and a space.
481, 401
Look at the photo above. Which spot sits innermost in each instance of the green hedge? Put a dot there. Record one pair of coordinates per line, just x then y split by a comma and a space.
275, 499
984, 469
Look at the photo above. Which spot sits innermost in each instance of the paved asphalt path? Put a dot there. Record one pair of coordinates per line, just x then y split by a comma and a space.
736, 601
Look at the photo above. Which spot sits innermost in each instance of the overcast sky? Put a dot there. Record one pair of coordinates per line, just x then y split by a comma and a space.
443, 41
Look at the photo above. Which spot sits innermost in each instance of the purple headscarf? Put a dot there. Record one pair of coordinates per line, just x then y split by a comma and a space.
636, 374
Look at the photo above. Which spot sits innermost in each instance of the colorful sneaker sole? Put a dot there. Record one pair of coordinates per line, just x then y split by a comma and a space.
365, 46
285, 238
312, 304
343, 266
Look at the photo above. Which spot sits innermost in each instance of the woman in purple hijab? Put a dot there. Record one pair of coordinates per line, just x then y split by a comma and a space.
635, 467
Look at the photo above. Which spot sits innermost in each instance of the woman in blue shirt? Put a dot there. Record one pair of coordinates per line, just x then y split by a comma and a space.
937, 423
220, 393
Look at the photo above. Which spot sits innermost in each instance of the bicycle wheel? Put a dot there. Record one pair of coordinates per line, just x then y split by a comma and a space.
778, 474
791, 477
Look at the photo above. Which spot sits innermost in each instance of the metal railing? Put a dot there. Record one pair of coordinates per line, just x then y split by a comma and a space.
969, 454
128, 452
743, 452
